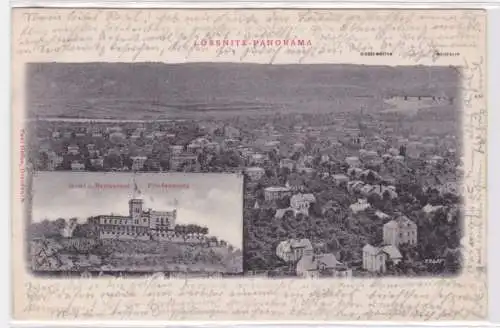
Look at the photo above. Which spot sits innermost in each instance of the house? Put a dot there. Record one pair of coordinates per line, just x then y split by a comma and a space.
435, 160
414, 149
296, 183
176, 149
230, 144
324, 159
117, 137
54, 160
288, 163
430, 209
370, 174
340, 180
381, 215
97, 162
273, 193
212, 146
258, 158
375, 259
292, 250
301, 203
314, 266
331, 205
393, 253
360, 206
231, 132
271, 145
194, 147
255, 173
400, 231
387, 157
450, 187
353, 161
399, 158
368, 155
77, 166
183, 161
73, 149
393, 151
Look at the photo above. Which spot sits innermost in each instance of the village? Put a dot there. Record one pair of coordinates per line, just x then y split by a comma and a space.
381, 192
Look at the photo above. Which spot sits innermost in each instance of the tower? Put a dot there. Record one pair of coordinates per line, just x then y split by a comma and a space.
135, 208
174, 219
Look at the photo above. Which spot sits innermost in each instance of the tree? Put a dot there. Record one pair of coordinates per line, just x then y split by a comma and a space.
83, 231
402, 150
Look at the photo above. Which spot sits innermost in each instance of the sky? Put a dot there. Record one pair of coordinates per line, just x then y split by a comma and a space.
212, 200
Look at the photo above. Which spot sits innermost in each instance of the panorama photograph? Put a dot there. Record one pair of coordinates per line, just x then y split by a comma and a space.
349, 170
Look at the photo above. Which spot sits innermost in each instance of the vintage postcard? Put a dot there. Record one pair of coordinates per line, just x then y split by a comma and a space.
202, 165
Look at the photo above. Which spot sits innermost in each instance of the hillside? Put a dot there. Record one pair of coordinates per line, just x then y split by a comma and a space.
119, 90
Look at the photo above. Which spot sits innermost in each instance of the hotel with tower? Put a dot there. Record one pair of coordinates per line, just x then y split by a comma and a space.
140, 224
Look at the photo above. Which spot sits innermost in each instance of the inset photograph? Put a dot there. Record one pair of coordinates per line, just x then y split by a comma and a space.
124, 223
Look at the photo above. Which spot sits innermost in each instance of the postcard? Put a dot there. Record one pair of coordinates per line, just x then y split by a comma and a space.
214, 165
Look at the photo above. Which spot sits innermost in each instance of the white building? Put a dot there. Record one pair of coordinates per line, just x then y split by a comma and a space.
375, 258
138, 225
257, 158
400, 231
54, 161
77, 166
176, 149
73, 149
360, 206
288, 163
301, 203
97, 162
255, 173
353, 161
273, 193
435, 160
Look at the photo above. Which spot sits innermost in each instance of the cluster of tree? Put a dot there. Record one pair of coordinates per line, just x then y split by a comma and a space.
46, 229
191, 229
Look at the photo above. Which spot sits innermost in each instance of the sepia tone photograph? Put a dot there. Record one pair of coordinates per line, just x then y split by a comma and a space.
349, 170
119, 224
